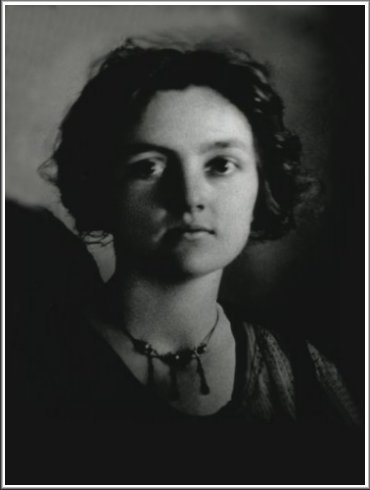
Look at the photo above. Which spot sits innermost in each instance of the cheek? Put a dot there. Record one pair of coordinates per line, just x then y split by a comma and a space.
238, 217
138, 214
239, 206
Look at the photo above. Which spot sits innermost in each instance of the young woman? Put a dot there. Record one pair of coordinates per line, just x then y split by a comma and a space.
180, 153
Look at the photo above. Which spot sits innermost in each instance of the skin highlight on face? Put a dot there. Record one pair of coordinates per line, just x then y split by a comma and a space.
189, 185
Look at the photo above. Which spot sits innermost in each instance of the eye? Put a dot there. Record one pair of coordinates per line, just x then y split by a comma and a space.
221, 166
146, 168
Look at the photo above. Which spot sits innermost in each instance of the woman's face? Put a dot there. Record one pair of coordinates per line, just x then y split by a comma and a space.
189, 185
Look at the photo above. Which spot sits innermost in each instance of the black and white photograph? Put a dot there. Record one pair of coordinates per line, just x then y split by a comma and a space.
184, 244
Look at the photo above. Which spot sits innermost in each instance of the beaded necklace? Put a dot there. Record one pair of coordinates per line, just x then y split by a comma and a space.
175, 360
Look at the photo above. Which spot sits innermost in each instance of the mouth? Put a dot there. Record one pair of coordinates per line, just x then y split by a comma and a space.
191, 232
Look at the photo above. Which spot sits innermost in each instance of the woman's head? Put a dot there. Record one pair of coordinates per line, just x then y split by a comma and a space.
188, 185
90, 148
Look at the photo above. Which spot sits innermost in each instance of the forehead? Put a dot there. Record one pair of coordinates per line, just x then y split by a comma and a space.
193, 116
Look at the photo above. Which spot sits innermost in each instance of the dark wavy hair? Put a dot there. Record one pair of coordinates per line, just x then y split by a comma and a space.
120, 87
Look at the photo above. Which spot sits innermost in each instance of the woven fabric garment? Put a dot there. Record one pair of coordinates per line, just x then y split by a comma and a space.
271, 380
333, 385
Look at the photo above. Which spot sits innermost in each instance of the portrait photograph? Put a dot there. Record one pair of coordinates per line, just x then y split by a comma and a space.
184, 243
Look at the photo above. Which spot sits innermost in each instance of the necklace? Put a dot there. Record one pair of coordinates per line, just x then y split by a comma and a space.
175, 360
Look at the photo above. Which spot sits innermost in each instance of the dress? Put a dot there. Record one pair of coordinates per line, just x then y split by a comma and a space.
76, 415
75, 374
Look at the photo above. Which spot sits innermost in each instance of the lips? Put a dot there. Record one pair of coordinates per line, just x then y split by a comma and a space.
193, 229
190, 232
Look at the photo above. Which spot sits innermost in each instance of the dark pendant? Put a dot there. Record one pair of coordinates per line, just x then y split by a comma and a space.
174, 389
142, 347
179, 360
204, 388
150, 371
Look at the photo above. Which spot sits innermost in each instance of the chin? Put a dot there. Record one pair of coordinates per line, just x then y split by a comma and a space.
197, 267
184, 265
175, 269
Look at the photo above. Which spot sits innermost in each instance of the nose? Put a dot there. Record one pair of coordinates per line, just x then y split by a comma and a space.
193, 190
187, 189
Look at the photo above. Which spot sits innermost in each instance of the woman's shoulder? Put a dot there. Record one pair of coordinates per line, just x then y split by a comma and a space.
289, 374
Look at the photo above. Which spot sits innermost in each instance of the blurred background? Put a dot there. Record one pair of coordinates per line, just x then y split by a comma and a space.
311, 280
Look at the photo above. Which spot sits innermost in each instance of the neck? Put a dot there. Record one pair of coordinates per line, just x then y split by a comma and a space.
168, 316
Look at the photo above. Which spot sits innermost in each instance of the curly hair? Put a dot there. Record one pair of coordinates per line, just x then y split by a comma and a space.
119, 89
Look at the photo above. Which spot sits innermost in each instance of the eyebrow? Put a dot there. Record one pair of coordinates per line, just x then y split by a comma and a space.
141, 147
224, 144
